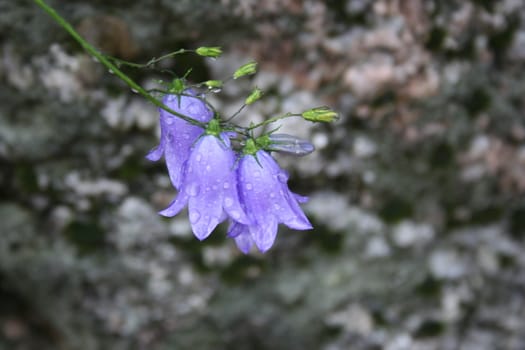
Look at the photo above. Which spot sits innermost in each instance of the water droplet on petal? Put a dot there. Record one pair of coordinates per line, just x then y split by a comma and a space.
235, 214
272, 194
208, 168
198, 158
193, 109
256, 173
194, 216
192, 189
228, 202
215, 187
276, 206
186, 136
169, 121
249, 186
226, 185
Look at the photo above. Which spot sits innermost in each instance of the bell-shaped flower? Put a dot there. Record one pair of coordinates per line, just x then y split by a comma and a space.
267, 200
177, 135
209, 186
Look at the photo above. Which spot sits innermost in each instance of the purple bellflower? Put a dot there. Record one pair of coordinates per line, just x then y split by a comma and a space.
177, 135
209, 186
267, 200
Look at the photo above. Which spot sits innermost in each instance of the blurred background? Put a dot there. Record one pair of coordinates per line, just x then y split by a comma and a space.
416, 193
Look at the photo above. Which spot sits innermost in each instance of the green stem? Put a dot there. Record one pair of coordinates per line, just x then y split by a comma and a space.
150, 62
272, 120
112, 68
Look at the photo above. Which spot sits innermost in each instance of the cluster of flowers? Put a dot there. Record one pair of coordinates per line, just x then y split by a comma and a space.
219, 182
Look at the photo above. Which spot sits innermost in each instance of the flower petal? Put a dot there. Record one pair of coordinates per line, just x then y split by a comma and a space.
176, 205
211, 163
236, 229
264, 233
205, 213
177, 135
155, 153
244, 242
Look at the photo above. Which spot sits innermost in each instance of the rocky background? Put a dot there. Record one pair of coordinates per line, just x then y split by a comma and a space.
416, 194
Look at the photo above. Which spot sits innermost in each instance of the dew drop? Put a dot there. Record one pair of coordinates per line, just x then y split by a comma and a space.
272, 194
249, 186
193, 109
257, 173
228, 202
186, 136
215, 187
169, 121
198, 158
208, 168
226, 185
192, 189
276, 206
194, 216
235, 214
110, 71
135, 91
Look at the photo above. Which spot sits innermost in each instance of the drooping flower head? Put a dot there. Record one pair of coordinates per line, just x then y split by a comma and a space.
209, 186
267, 200
177, 135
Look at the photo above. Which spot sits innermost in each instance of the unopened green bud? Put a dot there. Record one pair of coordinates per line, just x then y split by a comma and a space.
320, 114
254, 96
209, 51
246, 69
213, 84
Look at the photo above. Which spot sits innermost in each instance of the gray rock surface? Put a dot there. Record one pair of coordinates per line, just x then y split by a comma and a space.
416, 194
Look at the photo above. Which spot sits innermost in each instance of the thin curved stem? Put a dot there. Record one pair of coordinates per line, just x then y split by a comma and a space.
272, 120
106, 62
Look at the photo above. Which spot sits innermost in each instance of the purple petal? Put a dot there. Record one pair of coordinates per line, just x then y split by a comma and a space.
177, 135
178, 149
244, 242
211, 164
264, 234
241, 234
299, 198
236, 229
155, 153
205, 212
176, 205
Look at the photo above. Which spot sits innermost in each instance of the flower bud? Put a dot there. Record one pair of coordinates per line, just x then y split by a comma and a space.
209, 51
246, 69
320, 114
254, 96
286, 144
213, 84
